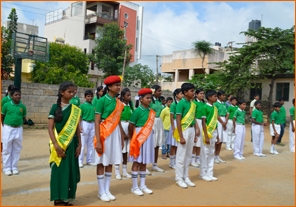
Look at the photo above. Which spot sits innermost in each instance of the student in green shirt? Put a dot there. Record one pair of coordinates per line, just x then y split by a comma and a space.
99, 94
229, 120
75, 100
239, 130
292, 127
283, 122
275, 126
162, 101
13, 115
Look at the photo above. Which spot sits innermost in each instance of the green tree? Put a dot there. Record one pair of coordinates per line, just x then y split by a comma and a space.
138, 76
206, 82
203, 48
6, 58
66, 63
166, 78
12, 26
109, 50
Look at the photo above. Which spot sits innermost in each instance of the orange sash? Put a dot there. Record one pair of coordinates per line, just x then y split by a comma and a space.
138, 139
109, 124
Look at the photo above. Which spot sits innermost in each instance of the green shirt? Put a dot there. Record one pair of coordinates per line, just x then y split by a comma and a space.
240, 116
14, 113
183, 107
75, 100
157, 107
276, 116
105, 106
127, 112
94, 101
230, 110
173, 109
140, 116
208, 113
6, 99
198, 111
283, 115
257, 115
87, 111
292, 112
221, 106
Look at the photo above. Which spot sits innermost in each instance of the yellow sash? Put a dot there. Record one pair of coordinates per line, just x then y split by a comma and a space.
186, 121
212, 125
65, 137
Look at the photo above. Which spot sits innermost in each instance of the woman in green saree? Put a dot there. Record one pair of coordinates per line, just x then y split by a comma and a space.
65, 146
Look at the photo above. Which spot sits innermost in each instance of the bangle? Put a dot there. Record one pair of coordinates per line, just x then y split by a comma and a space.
54, 142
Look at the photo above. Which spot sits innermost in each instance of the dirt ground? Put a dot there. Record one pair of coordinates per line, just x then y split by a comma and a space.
254, 181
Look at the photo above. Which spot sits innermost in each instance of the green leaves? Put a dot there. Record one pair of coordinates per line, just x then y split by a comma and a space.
138, 76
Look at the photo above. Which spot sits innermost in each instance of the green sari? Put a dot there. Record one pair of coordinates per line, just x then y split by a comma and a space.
64, 179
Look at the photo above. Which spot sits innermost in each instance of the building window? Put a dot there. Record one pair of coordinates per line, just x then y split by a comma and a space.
126, 16
76, 8
256, 90
136, 47
137, 23
282, 91
92, 67
84, 50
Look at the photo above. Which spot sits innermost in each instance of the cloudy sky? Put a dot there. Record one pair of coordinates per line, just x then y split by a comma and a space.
170, 26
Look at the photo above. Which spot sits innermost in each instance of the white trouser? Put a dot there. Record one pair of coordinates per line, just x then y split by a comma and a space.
87, 141
222, 133
258, 138
292, 137
240, 132
231, 136
184, 153
207, 153
12, 145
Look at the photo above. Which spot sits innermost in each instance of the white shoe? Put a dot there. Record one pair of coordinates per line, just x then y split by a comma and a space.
205, 178
118, 176
222, 161
229, 149
194, 164
15, 172
189, 183
148, 172
271, 151
137, 191
238, 158
126, 175
257, 154
275, 152
262, 155
8, 173
217, 161
146, 190
181, 183
213, 178
104, 197
198, 162
81, 165
90, 163
242, 157
172, 166
157, 169
111, 197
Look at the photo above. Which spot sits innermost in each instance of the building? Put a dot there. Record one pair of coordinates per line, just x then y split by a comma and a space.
253, 25
77, 26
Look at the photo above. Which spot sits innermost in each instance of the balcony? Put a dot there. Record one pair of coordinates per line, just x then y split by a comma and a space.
99, 18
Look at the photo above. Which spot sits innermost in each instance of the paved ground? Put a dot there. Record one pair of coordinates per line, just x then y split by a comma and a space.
254, 181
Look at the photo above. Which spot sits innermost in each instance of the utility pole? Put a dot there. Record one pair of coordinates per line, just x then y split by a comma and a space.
156, 69
125, 51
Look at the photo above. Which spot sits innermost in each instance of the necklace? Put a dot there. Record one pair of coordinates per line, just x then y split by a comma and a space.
65, 104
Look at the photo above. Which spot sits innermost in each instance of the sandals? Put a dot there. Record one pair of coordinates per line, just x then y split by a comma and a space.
62, 203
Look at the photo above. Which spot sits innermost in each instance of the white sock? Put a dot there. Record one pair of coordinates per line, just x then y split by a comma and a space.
142, 178
107, 181
100, 179
135, 179
216, 156
117, 169
193, 158
175, 159
154, 165
124, 168
272, 146
172, 159
197, 158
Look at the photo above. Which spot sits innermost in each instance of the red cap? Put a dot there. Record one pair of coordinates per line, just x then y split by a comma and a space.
112, 79
144, 91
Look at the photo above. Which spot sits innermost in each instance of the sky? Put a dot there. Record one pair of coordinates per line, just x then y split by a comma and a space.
174, 25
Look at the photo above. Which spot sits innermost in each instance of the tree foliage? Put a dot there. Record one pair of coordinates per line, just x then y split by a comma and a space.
66, 63
139, 76
206, 82
203, 48
12, 26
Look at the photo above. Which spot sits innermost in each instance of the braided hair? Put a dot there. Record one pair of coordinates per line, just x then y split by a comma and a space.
10, 87
197, 92
176, 92
59, 113
123, 92
155, 87
98, 90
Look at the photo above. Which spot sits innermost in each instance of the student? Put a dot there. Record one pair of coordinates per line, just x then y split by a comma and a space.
141, 146
99, 94
75, 100
162, 101
239, 130
88, 128
158, 129
178, 95
210, 137
64, 117
13, 114
199, 102
125, 117
108, 141
283, 122
275, 126
229, 96
229, 120
222, 130
292, 127
252, 108
165, 117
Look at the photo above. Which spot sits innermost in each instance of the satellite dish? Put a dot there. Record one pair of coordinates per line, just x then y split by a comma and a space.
25, 28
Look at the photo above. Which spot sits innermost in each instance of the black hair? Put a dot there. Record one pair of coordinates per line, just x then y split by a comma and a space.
257, 102
161, 98
98, 90
176, 92
232, 98
277, 104
10, 87
88, 92
122, 94
106, 89
220, 93
281, 99
229, 95
169, 99
197, 92
155, 87
210, 93
14, 90
141, 96
187, 87
256, 94
241, 101
293, 101
117, 95
59, 113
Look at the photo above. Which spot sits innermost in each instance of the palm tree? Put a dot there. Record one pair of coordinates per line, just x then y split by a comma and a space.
203, 48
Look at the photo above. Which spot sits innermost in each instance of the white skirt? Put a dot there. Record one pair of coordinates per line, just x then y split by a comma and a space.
171, 140
126, 147
158, 136
277, 128
200, 137
292, 137
146, 150
112, 154
222, 133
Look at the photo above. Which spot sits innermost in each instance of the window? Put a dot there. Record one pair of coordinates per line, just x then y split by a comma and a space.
92, 67
282, 91
84, 50
126, 16
76, 8
256, 90
137, 23
136, 47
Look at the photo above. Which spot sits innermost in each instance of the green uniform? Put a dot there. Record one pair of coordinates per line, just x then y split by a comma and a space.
173, 109
283, 115
140, 116
157, 107
127, 112
276, 116
221, 106
230, 110
6, 99
14, 113
199, 106
105, 106
208, 113
292, 112
75, 100
183, 107
94, 101
240, 116
257, 115
87, 111
64, 179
